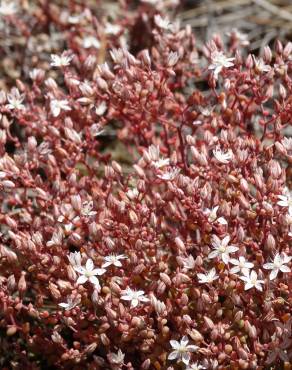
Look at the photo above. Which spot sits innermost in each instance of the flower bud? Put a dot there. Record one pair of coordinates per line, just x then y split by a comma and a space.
267, 54
270, 243
22, 283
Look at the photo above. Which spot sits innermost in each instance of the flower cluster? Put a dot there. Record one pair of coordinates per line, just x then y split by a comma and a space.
146, 209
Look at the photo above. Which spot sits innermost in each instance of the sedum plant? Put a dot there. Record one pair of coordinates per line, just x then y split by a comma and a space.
146, 205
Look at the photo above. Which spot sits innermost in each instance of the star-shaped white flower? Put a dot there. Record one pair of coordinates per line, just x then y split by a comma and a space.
182, 350
195, 366
75, 259
90, 42
58, 105
251, 280
112, 29
279, 264
116, 358
208, 277
132, 193
96, 130
71, 303
221, 156
15, 100
135, 296
286, 200
161, 162
212, 216
8, 8
87, 209
219, 61
61, 61
260, 65
162, 23
188, 262
287, 143
101, 108
221, 248
241, 38
170, 174
240, 265
114, 260
88, 273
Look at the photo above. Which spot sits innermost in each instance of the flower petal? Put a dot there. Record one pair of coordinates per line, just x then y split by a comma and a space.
174, 344
285, 268
248, 286
94, 280
268, 266
173, 355
82, 279
235, 270
89, 265
134, 302
192, 348
186, 358
213, 254
274, 274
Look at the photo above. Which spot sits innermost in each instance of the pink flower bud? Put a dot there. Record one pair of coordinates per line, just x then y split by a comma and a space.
249, 61
165, 278
267, 54
22, 283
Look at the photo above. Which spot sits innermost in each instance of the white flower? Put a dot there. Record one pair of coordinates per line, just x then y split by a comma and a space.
36, 73
161, 163
56, 239
280, 260
251, 280
151, 2
114, 260
212, 216
61, 61
287, 143
8, 8
188, 262
222, 249
86, 209
112, 29
75, 259
71, 303
135, 296
159, 306
88, 273
58, 105
195, 366
219, 61
172, 59
101, 108
181, 350
208, 277
240, 37
286, 200
162, 23
223, 157
96, 130
15, 100
75, 19
117, 55
90, 42
116, 358
170, 174
260, 65
241, 265
132, 193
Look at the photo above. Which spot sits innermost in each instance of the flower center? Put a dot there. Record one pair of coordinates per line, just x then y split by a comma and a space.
222, 249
